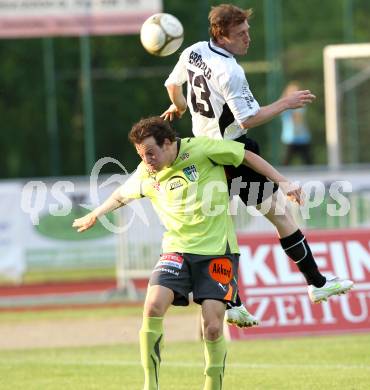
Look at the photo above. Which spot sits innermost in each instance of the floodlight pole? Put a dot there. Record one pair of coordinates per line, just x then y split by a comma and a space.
272, 16
88, 112
51, 105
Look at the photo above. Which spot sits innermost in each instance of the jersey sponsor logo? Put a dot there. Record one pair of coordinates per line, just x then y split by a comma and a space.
221, 270
184, 156
171, 260
247, 95
191, 172
175, 182
197, 60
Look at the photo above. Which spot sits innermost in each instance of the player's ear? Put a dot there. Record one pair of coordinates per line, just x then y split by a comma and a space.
167, 142
221, 40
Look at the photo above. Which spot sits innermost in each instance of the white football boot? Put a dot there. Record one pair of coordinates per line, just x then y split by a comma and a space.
240, 316
335, 286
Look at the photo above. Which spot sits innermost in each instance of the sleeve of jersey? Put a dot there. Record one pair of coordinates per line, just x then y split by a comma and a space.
131, 188
178, 75
239, 97
223, 152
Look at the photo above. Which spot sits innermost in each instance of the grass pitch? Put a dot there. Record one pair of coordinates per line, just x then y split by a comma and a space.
332, 362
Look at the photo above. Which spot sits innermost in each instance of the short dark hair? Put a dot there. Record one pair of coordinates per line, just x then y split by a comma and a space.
155, 127
224, 16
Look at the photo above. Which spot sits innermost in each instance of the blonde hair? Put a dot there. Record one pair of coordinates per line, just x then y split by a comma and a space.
224, 16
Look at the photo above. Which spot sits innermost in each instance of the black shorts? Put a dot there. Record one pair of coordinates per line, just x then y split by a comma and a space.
207, 277
258, 188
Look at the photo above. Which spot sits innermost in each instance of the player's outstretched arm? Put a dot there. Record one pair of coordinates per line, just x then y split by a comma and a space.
296, 99
178, 106
257, 163
113, 202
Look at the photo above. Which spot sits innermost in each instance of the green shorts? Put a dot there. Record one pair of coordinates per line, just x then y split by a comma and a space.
207, 277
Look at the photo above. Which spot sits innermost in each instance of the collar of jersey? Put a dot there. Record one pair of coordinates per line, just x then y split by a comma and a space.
178, 145
219, 50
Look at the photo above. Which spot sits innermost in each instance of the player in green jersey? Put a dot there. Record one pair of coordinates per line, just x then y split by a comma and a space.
186, 183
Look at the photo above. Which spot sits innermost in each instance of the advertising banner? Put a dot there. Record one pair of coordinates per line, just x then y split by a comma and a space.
48, 211
12, 261
36, 232
37, 18
36, 225
275, 291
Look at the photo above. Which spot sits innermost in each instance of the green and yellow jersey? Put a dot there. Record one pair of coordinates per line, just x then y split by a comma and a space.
191, 196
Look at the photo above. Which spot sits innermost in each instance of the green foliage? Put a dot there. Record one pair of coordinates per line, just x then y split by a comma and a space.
128, 83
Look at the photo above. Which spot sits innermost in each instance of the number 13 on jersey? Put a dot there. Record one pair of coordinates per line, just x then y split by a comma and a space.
201, 102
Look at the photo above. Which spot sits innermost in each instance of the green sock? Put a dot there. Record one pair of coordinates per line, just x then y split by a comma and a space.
151, 341
215, 356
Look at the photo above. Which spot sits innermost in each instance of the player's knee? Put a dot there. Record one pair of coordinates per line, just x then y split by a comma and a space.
212, 330
153, 308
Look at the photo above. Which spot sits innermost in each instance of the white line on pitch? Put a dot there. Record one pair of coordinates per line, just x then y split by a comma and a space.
184, 364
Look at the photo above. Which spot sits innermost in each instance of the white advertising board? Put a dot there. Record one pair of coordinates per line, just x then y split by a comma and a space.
37, 18
12, 261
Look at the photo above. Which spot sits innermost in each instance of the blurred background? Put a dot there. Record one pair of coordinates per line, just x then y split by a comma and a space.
66, 102
41, 96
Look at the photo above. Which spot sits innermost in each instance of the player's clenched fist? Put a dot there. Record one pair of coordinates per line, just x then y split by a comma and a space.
84, 223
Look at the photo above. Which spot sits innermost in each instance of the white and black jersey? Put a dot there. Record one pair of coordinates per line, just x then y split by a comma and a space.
218, 93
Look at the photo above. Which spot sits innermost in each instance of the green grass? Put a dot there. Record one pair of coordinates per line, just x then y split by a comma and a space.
332, 362
69, 275
72, 313
85, 313
64, 275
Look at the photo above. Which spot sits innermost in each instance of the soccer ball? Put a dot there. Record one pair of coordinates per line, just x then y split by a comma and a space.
161, 34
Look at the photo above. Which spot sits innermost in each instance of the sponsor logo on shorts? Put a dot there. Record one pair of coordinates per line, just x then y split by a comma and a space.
221, 270
169, 264
168, 270
170, 260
